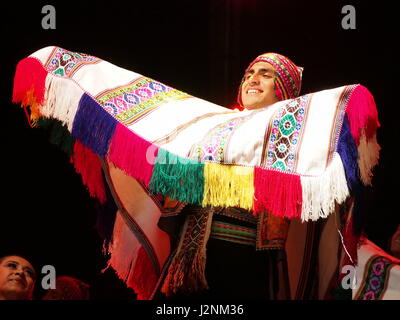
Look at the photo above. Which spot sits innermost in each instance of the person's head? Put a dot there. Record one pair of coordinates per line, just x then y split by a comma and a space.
269, 78
17, 278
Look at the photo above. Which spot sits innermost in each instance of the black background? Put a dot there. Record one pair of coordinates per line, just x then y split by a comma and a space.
200, 47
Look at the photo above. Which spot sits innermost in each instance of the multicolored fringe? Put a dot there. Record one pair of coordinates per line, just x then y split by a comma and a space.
283, 194
362, 114
363, 122
97, 134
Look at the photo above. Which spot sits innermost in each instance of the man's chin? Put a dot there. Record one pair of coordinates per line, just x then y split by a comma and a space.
250, 105
253, 106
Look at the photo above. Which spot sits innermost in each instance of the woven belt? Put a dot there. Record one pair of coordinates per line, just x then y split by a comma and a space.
233, 233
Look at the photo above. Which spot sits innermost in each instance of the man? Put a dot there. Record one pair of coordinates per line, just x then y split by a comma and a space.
245, 253
17, 278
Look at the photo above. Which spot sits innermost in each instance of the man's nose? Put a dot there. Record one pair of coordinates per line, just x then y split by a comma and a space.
254, 79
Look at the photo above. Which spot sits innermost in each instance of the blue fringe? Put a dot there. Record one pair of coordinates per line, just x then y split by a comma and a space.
348, 152
93, 126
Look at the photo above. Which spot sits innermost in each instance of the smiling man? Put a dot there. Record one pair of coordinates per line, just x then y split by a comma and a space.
258, 86
258, 241
269, 78
17, 278
245, 254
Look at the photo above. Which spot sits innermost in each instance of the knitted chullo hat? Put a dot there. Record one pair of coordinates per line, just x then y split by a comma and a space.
287, 76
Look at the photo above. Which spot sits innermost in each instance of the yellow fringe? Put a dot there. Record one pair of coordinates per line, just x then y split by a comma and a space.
30, 100
228, 186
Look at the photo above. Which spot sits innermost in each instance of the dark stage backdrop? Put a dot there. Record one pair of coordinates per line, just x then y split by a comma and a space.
200, 47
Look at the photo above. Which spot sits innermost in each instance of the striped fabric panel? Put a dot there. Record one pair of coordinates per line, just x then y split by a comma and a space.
233, 233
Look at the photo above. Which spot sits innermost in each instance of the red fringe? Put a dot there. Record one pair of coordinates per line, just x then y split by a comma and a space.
29, 75
277, 192
128, 152
88, 165
362, 113
143, 279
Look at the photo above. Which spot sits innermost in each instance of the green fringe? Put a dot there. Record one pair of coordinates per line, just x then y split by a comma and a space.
180, 178
58, 134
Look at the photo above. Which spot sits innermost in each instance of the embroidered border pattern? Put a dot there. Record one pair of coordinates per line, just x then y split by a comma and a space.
339, 116
285, 133
66, 63
131, 102
214, 145
375, 278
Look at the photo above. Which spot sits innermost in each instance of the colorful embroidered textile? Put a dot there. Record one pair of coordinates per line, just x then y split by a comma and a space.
377, 274
294, 142
294, 159
187, 270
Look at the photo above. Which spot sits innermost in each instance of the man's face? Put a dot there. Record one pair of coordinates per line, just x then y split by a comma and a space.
258, 86
17, 278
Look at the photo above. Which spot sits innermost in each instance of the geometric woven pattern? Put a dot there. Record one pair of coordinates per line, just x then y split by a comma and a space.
285, 135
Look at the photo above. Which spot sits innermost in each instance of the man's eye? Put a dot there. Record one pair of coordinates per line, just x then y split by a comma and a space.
11, 265
29, 272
